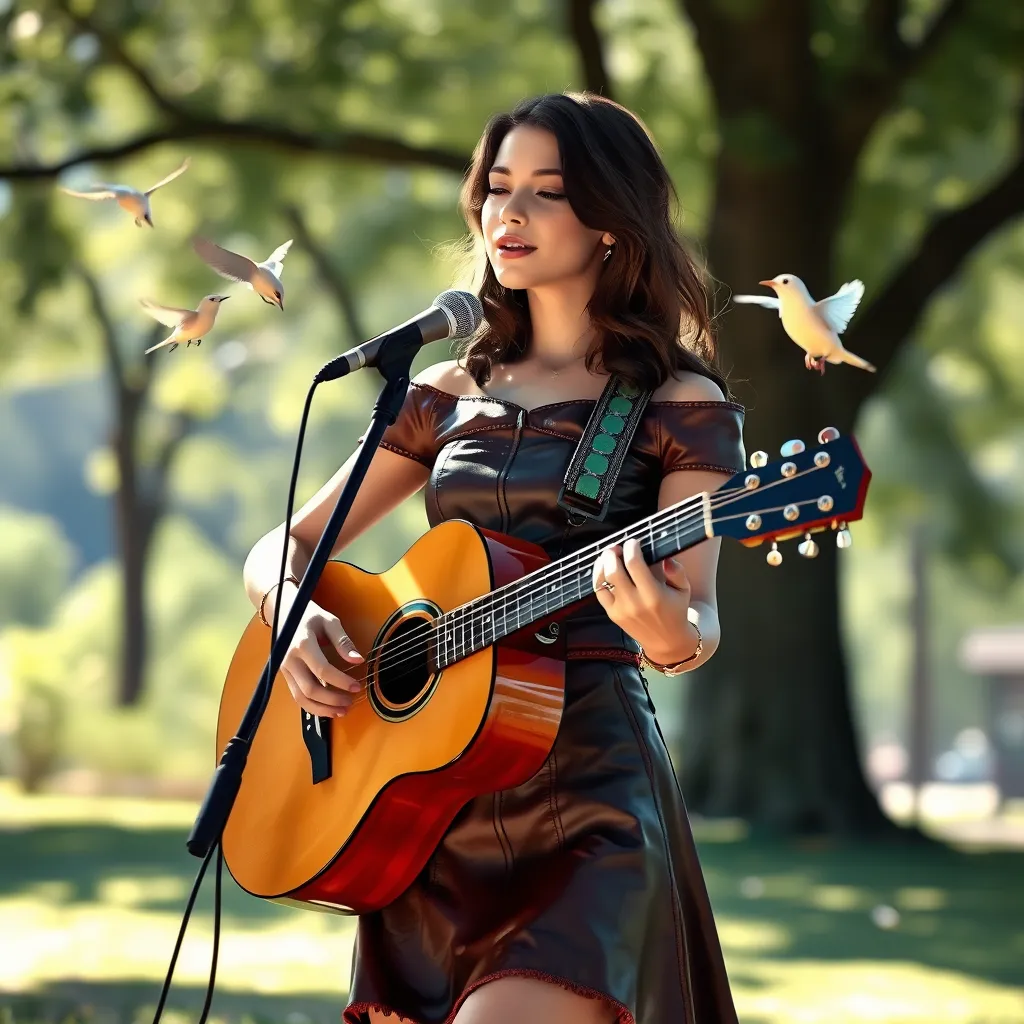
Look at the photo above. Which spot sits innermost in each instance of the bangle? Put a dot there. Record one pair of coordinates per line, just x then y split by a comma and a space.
263, 600
675, 669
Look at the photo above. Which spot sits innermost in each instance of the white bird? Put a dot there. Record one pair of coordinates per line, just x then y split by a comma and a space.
263, 278
814, 326
128, 198
189, 324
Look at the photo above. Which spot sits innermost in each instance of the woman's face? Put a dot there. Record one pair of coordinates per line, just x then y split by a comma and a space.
532, 236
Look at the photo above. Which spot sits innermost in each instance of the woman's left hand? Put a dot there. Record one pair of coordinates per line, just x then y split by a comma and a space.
651, 612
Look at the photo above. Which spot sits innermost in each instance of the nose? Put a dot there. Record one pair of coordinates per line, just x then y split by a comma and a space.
512, 212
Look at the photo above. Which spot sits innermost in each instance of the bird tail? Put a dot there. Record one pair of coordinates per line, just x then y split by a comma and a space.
167, 341
853, 359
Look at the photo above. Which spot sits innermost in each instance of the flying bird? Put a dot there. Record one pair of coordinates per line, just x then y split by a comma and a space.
189, 324
128, 198
263, 278
814, 326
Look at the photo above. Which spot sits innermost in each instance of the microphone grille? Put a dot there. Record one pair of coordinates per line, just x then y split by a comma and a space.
464, 312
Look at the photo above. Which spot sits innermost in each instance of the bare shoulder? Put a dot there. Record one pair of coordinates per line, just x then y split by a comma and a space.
447, 376
686, 386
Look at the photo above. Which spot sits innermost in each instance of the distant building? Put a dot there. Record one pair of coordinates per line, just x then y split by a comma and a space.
996, 654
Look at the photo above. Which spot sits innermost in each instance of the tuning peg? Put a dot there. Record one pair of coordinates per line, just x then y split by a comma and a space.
793, 447
807, 547
843, 538
774, 557
758, 460
827, 434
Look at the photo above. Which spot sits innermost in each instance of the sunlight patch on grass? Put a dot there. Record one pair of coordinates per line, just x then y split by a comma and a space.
310, 953
135, 892
19, 811
861, 991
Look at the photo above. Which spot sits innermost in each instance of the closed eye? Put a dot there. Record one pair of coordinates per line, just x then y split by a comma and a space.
497, 190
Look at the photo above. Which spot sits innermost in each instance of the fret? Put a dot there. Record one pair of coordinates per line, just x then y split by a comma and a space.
518, 604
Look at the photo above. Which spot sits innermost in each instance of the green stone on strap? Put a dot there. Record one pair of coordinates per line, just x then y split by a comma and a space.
603, 443
612, 425
620, 406
628, 390
596, 464
588, 486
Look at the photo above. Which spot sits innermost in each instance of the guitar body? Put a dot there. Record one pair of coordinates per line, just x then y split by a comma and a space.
411, 752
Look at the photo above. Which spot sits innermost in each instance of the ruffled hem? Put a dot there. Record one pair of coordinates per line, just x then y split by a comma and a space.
358, 1013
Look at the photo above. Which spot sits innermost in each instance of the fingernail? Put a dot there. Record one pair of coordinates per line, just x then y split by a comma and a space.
356, 655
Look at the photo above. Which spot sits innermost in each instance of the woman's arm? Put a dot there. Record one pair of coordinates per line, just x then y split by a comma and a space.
390, 479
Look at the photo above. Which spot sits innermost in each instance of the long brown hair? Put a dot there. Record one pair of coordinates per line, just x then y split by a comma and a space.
650, 306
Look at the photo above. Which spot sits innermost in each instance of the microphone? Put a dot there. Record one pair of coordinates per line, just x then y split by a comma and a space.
453, 314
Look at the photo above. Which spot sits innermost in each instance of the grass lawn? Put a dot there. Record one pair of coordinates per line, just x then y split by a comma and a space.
92, 890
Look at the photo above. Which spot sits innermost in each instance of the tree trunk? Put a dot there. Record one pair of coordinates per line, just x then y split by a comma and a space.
134, 521
769, 734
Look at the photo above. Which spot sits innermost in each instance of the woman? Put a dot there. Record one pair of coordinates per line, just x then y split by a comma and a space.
577, 897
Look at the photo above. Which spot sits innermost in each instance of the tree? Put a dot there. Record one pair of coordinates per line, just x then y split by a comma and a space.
805, 98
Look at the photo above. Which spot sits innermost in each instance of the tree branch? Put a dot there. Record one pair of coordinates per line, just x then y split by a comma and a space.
120, 55
329, 274
107, 331
894, 314
875, 87
584, 34
361, 145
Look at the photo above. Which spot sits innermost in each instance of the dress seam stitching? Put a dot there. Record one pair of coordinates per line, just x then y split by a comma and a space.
645, 755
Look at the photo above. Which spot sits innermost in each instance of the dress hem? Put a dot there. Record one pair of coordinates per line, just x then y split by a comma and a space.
351, 1014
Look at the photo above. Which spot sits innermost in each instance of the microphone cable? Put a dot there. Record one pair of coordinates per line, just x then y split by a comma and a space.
216, 847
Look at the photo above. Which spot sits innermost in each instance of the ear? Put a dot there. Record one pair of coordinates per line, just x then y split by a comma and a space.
607, 239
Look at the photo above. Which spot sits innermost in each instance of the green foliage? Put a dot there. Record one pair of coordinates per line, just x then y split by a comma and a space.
36, 561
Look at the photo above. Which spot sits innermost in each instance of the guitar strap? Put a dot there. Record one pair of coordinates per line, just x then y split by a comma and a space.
599, 456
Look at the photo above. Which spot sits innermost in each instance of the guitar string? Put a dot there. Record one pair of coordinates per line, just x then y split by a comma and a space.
548, 572
363, 694
391, 659
553, 571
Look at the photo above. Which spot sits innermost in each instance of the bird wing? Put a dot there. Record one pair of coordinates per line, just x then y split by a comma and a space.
768, 301
170, 177
99, 192
227, 264
170, 316
838, 309
276, 258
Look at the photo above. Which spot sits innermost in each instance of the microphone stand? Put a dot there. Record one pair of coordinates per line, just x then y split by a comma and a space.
393, 362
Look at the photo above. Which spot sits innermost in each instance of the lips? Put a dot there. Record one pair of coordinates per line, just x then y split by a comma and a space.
513, 244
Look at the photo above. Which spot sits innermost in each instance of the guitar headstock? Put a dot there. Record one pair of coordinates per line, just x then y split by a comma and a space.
810, 489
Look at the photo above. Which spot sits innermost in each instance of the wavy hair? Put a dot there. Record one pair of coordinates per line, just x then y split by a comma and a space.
650, 306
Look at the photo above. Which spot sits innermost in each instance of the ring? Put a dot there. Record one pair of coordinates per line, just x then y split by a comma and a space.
608, 586
322, 683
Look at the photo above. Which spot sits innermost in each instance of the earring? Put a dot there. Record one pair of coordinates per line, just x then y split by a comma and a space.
607, 254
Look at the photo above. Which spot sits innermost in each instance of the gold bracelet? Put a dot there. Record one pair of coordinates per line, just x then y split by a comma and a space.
675, 669
263, 600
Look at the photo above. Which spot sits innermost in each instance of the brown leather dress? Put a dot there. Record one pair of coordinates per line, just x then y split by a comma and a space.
586, 876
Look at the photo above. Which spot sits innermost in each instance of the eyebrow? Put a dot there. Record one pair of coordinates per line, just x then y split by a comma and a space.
496, 169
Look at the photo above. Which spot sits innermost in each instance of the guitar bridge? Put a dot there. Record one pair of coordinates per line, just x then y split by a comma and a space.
316, 734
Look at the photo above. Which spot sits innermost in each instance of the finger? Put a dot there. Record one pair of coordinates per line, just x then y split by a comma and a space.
614, 571
312, 706
647, 587
675, 574
324, 671
312, 686
335, 632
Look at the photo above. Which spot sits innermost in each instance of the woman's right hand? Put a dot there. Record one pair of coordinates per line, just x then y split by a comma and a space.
315, 684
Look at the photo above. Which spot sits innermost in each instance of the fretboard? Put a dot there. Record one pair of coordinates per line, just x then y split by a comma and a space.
487, 619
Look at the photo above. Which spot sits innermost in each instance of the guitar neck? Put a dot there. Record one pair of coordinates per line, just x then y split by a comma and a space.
488, 619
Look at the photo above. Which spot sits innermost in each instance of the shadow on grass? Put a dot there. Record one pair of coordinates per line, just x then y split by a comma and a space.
126, 1001
957, 911
81, 859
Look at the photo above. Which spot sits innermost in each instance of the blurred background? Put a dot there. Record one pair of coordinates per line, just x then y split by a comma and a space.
853, 758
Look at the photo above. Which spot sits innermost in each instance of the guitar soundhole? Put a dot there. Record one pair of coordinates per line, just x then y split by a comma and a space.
403, 679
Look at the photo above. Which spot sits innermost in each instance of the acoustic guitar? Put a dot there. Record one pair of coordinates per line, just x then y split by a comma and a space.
463, 682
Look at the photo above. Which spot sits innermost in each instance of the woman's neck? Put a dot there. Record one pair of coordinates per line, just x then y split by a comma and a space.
560, 327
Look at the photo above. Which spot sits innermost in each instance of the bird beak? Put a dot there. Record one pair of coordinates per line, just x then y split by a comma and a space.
224, 298
767, 284
280, 305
